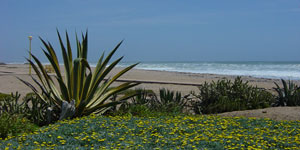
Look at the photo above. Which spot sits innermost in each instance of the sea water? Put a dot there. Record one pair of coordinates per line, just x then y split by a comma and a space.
274, 70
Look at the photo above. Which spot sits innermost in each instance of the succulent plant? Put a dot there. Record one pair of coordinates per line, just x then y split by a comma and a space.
88, 90
289, 95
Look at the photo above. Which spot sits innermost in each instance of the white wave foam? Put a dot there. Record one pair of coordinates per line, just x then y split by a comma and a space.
285, 70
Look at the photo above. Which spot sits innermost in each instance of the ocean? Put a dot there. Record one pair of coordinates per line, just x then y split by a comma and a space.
273, 70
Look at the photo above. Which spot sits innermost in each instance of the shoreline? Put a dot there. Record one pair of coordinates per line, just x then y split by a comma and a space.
150, 79
268, 74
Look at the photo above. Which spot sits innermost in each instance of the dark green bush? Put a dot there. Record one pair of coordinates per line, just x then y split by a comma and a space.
225, 95
288, 95
31, 107
11, 104
38, 111
139, 104
3, 95
13, 124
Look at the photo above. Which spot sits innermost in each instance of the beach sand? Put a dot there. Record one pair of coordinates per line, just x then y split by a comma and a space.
150, 79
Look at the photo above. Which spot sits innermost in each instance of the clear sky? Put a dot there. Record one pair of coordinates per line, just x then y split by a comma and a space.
157, 30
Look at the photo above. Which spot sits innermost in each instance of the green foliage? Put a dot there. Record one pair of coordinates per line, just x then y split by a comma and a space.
146, 103
138, 105
31, 107
3, 95
224, 96
13, 124
81, 91
11, 104
179, 132
289, 95
38, 111
170, 101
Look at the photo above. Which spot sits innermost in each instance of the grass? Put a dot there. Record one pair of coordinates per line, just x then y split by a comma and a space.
179, 132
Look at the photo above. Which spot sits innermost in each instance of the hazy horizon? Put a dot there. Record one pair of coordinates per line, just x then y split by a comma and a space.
156, 31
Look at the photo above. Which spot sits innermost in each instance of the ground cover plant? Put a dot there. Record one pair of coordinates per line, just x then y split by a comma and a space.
178, 132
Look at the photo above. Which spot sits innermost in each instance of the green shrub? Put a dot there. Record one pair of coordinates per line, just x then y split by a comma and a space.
32, 107
3, 96
289, 95
13, 124
38, 111
11, 104
225, 95
146, 102
137, 105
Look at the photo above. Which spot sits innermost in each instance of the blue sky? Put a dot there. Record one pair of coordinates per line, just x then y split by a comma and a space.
156, 30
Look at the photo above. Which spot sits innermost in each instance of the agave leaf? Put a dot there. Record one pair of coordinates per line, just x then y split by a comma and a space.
82, 104
285, 88
67, 62
38, 73
33, 89
78, 47
51, 55
77, 78
106, 105
115, 77
100, 99
64, 90
84, 64
99, 63
119, 101
87, 83
69, 77
44, 90
98, 74
84, 45
99, 78
29, 85
44, 73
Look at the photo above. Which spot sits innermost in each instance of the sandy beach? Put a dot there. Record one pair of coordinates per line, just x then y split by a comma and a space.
150, 79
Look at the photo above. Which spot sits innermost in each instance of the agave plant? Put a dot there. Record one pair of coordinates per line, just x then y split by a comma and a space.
81, 91
289, 95
170, 101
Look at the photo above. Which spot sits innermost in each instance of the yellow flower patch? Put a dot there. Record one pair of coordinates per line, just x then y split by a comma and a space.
180, 132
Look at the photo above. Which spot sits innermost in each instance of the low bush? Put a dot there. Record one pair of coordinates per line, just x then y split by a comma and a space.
146, 103
3, 95
288, 95
11, 104
225, 95
38, 111
31, 106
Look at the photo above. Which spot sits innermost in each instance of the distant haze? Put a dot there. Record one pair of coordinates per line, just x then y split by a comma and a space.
157, 30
